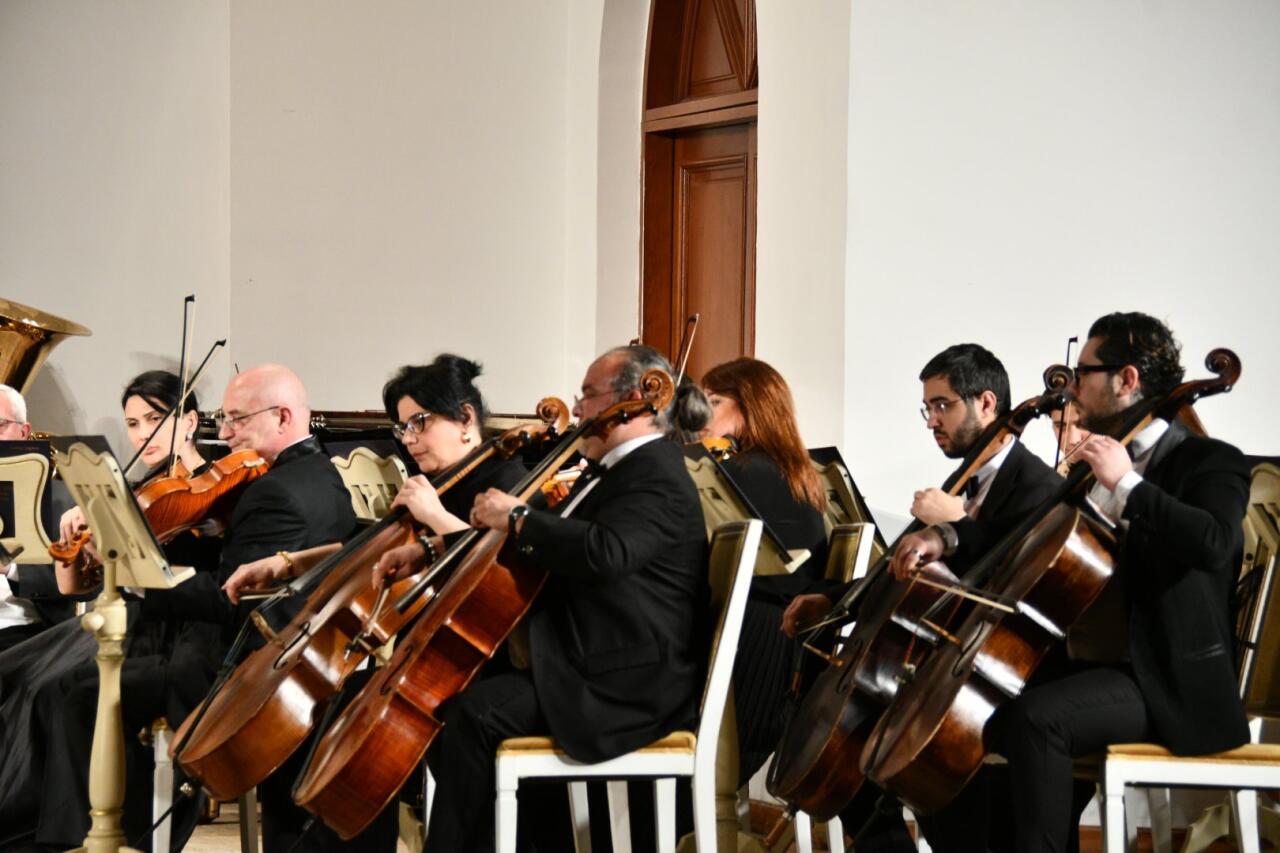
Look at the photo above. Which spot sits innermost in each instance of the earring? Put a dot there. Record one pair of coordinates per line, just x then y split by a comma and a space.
466, 438
190, 436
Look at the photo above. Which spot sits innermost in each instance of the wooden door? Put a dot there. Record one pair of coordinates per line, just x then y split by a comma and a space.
700, 179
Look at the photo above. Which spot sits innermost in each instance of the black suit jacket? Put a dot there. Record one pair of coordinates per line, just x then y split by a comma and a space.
1023, 482
1178, 565
38, 584
618, 639
299, 503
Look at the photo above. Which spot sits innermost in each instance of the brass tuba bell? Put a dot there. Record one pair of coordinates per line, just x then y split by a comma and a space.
26, 338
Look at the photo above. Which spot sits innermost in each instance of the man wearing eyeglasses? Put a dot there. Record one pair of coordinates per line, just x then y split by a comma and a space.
29, 597
1152, 657
965, 388
299, 503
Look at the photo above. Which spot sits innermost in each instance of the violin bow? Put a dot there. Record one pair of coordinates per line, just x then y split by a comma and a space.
1057, 456
188, 332
686, 345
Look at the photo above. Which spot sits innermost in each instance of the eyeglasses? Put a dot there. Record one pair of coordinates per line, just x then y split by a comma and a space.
416, 425
578, 400
234, 422
1081, 369
937, 408
5, 423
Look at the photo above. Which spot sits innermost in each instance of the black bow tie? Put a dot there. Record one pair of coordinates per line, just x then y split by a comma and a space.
594, 469
971, 487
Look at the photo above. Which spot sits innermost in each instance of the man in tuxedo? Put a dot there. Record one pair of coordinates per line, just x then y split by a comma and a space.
616, 639
965, 389
29, 597
1152, 659
299, 503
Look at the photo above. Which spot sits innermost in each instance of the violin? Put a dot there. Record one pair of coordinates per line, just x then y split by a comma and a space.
378, 741
255, 718
1050, 567
179, 502
813, 768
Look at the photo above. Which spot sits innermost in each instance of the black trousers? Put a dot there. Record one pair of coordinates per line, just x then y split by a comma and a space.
15, 634
488, 712
1048, 726
68, 709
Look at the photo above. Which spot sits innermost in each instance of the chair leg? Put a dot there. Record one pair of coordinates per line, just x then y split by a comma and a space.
1130, 798
664, 814
505, 809
1244, 818
835, 835
162, 785
1161, 821
619, 815
249, 821
804, 833
578, 813
1113, 820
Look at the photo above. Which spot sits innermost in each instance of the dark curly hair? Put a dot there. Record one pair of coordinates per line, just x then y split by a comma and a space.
971, 369
1146, 343
442, 387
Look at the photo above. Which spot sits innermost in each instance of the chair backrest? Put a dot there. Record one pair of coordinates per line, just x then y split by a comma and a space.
734, 547
720, 505
372, 480
845, 504
1258, 596
850, 551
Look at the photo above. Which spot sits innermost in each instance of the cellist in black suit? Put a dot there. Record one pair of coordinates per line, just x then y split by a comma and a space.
965, 389
616, 640
1152, 659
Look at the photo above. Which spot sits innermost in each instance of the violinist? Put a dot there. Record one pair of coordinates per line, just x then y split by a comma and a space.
438, 414
29, 597
965, 388
752, 404
616, 638
62, 673
1152, 657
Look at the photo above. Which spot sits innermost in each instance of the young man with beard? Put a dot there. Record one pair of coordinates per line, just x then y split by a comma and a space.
1152, 658
965, 389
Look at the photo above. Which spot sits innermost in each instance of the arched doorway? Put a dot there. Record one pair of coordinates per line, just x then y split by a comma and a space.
699, 207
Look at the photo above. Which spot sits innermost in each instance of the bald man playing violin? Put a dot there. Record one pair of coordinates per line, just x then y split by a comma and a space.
299, 503
1152, 658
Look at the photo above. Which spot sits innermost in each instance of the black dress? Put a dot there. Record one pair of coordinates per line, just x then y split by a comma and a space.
763, 663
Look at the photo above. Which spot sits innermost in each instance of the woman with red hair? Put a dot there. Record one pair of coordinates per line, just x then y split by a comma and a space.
751, 403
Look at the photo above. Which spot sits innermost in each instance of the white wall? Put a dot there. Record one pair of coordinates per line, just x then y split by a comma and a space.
398, 188
113, 190
1017, 170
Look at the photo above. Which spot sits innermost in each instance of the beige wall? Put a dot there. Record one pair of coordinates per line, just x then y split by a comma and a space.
1016, 170
113, 189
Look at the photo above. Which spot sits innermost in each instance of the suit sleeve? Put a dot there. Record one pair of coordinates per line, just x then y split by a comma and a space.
1201, 527
270, 522
624, 536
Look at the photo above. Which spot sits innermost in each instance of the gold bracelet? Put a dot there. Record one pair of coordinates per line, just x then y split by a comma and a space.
289, 564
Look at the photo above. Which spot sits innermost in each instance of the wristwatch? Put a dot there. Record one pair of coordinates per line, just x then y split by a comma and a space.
517, 512
950, 539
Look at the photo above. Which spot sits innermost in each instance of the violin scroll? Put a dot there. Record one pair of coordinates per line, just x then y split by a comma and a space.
555, 413
1057, 377
1226, 364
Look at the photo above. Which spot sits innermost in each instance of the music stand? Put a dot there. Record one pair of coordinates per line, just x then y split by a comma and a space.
130, 556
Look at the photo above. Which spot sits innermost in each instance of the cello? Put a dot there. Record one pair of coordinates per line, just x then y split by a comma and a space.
1052, 566
812, 769
253, 722
378, 741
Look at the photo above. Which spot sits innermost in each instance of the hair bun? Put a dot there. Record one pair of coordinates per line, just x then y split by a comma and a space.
465, 368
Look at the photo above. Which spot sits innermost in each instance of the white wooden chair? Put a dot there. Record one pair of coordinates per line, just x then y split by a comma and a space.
733, 552
1246, 769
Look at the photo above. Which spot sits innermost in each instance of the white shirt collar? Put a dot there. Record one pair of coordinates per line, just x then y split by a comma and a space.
992, 465
614, 456
1144, 442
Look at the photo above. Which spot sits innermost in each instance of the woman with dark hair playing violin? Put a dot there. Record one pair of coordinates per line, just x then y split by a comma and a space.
751, 404
67, 651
